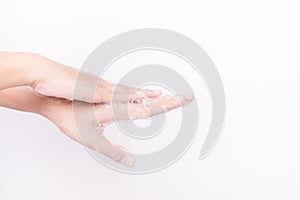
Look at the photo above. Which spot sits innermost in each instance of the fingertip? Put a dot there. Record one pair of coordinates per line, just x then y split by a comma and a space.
189, 97
157, 92
128, 160
185, 99
153, 93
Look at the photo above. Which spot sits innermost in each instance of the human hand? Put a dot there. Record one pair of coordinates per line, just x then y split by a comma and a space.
51, 78
55, 84
58, 80
60, 112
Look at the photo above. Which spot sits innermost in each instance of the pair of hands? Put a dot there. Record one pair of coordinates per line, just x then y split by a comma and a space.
51, 94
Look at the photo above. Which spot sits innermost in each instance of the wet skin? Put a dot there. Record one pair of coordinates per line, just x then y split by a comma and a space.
49, 91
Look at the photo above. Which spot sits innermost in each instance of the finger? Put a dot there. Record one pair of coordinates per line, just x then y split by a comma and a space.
159, 105
102, 145
90, 133
121, 148
150, 108
150, 93
72, 84
139, 95
124, 94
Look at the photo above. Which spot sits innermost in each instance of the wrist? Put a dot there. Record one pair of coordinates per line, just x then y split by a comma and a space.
36, 69
16, 69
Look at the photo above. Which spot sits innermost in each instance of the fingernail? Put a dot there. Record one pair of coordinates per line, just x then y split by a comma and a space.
154, 92
128, 160
189, 97
157, 92
185, 99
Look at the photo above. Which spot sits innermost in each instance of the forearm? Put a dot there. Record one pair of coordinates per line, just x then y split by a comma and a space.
22, 99
16, 69
26, 69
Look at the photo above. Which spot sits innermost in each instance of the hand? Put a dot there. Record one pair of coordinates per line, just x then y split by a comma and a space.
53, 79
53, 95
60, 112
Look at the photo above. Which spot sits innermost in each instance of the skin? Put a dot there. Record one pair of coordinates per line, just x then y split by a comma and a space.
33, 83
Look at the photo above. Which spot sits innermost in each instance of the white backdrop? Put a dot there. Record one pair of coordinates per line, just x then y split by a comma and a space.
255, 46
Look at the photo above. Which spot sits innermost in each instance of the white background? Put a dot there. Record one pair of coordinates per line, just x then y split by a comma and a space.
254, 44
